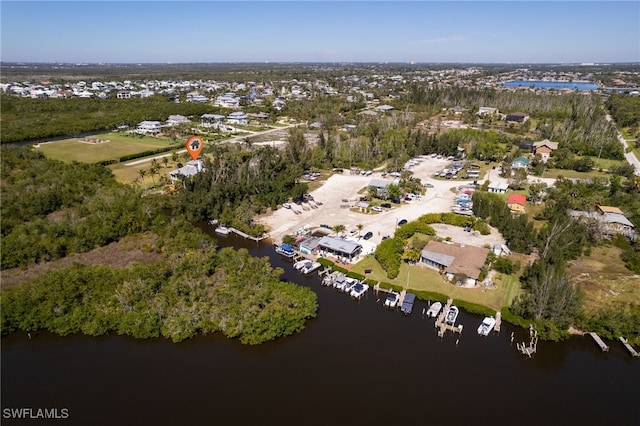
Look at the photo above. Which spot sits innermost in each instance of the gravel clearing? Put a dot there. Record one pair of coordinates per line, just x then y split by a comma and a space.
341, 187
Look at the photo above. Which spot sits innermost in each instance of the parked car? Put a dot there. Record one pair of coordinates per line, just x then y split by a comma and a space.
428, 185
368, 235
376, 208
386, 205
402, 222
286, 205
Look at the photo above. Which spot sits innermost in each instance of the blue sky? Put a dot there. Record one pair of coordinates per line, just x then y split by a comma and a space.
322, 31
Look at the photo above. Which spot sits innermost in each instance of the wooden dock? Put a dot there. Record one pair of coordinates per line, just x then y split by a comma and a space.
496, 327
442, 326
247, 236
632, 351
377, 288
532, 347
599, 341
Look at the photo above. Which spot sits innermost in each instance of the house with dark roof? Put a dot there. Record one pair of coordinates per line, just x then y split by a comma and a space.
459, 262
517, 117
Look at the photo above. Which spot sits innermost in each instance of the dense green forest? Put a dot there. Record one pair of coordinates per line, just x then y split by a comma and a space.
51, 209
237, 184
577, 121
196, 291
27, 118
626, 111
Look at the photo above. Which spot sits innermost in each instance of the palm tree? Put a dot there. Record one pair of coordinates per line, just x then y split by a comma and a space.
359, 227
165, 161
142, 173
339, 229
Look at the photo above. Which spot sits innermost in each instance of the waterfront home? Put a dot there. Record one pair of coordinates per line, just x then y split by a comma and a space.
544, 149
459, 262
309, 245
339, 247
192, 168
517, 203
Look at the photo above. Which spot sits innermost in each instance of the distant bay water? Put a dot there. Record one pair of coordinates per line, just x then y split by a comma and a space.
557, 85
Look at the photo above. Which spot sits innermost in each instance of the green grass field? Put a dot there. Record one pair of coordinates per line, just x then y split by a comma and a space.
118, 145
423, 278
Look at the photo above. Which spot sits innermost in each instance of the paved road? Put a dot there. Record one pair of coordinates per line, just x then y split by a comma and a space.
630, 156
235, 139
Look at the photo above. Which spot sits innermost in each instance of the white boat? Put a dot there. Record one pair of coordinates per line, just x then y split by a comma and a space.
301, 264
351, 282
452, 315
223, 230
392, 300
358, 290
310, 267
486, 326
286, 250
340, 282
434, 309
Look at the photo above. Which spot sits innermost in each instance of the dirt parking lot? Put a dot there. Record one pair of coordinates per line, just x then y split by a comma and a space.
330, 209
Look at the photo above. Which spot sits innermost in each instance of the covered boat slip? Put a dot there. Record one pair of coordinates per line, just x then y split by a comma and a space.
407, 303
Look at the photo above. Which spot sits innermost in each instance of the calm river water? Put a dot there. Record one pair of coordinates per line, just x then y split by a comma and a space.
356, 363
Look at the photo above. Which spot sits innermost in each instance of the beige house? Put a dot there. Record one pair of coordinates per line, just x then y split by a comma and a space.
459, 262
544, 148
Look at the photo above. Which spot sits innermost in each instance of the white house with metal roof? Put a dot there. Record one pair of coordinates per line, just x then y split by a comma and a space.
342, 248
192, 168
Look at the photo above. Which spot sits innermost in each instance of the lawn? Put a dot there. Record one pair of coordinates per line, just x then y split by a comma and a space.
129, 172
555, 173
74, 150
604, 279
418, 277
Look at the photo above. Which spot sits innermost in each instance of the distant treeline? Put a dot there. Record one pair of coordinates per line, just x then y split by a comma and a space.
26, 119
625, 110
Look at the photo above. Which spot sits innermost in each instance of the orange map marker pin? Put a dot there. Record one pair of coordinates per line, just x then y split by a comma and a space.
194, 145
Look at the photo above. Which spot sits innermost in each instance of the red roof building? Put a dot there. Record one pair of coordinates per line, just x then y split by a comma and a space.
517, 202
